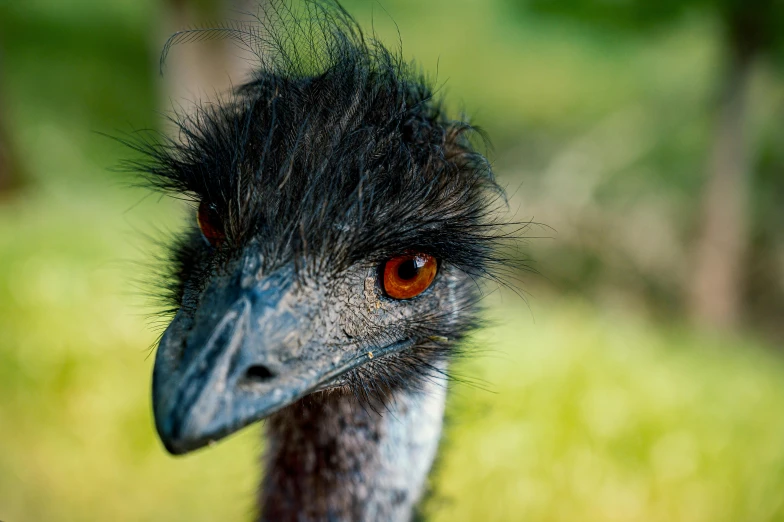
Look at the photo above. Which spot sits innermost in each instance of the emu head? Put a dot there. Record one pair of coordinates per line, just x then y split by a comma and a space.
341, 222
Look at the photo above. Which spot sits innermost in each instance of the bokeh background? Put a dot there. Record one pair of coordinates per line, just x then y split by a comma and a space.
639, 376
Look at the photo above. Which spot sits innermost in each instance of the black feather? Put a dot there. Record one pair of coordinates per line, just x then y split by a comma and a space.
336, 152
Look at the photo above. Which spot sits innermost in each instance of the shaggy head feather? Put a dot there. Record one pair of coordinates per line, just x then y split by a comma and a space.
333, 158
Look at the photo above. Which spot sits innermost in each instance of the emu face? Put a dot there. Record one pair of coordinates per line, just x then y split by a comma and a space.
342, 220
255, 340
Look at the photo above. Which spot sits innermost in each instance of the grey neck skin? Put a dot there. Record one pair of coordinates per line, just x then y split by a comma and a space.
330, 459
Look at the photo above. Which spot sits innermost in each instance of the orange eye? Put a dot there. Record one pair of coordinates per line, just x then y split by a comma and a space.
210, 224
409, 275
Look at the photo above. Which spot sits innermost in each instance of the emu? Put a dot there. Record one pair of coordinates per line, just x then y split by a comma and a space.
342, 223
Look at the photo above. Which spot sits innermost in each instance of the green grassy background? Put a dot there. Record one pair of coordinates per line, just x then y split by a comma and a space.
592, 412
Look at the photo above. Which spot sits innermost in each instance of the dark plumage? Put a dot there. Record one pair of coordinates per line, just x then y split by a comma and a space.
332, 159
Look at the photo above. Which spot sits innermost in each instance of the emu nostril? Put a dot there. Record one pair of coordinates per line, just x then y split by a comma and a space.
258, 373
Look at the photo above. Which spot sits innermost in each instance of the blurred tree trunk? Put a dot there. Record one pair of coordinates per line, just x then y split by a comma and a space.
716, 291
199, 71
11, 175
10, 167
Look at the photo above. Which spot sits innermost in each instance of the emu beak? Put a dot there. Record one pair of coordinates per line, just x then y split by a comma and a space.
241, 357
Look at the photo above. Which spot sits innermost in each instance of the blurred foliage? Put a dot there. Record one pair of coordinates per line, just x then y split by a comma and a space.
760, 21
747, 33
597, 416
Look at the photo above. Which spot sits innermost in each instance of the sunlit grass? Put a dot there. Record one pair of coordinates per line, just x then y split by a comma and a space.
599, 417
77, 440
591, 416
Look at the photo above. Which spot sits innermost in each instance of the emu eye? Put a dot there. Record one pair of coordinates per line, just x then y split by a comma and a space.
409, 275
210, 224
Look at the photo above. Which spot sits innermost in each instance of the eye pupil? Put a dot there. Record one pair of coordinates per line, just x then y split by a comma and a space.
408, 269
210, 224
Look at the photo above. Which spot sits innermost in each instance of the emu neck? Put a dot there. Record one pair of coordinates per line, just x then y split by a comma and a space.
330, 459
